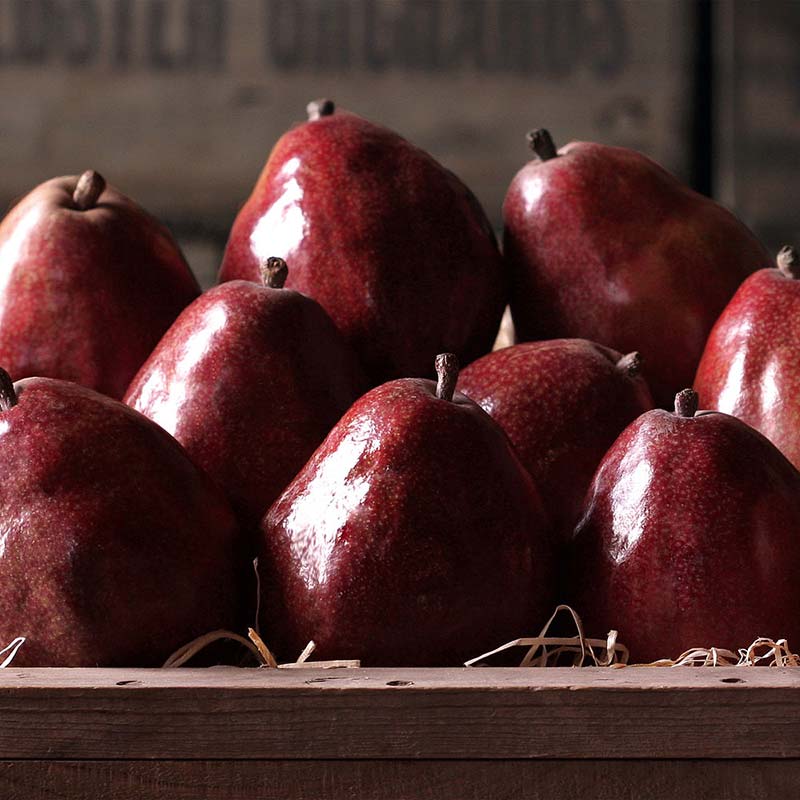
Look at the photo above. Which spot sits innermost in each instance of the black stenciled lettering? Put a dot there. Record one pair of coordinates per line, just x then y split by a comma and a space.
206, 28
80, 32
517, 34
377, 37
331, 32
473, 49
562, 40
122, 30
604, 28
285, 27
417, 35
32, 21
4, 52
156, 36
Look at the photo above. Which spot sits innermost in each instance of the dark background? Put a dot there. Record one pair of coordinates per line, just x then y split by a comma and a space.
178, 102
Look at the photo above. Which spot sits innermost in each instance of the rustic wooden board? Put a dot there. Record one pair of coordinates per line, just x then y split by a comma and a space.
396, 780
227, 713
178, 102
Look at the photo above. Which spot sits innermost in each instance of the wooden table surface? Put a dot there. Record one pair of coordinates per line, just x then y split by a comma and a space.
399, 733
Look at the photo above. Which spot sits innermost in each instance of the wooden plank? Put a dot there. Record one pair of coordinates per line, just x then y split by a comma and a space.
393, 780
122, 681
227, 713
179, 101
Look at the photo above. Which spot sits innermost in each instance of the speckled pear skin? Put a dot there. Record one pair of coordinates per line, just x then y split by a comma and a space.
249, 380
690, 538
85, 294
115, 549
604, 244
751, 364
562, 404
393, 246
413, 537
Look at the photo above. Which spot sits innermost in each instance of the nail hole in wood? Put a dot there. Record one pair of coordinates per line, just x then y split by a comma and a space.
400, 683
732, 680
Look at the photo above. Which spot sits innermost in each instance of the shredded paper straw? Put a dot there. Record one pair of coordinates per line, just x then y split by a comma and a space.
544, 650
10, 651
548, 651
256, 645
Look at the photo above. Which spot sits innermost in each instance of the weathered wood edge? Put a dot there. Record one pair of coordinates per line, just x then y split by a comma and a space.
414, 679
227, 713
398, 780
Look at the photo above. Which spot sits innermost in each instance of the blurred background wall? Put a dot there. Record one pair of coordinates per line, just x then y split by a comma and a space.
178, 102
757, 130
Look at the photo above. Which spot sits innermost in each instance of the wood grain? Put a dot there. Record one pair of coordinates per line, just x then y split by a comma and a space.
387, 679
184, 126
228, 713
385, 780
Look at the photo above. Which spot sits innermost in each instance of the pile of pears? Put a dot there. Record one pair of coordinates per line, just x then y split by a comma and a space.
332, 411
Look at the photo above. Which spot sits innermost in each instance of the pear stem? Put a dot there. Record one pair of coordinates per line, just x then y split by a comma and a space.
686, 403
89, 187
317, 109
789, 262
541, 142
274, 272
447, 375
630, 364
8, 396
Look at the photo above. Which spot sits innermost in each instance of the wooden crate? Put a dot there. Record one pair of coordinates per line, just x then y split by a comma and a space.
399, 733
178, 102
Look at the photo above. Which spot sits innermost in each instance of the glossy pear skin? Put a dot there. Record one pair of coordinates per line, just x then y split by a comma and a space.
393, 246
603, 244
690, 538
751, 364
249, 380
413, 536
86, 294
562, 404
115, 549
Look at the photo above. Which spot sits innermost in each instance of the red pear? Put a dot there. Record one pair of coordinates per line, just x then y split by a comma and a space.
115, 549
690, 537
751, 365
382, 236
413, 536
89, 282
604, 244
249, 379
562, 404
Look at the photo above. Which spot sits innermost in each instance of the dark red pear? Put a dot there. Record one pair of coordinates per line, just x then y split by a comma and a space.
604, 244
115, 549
690, 537
751, 364
562, 404
392, 245
89, 282
413, 536
250, 379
